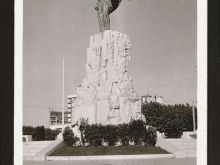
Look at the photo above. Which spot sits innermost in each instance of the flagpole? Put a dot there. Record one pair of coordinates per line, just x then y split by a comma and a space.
63, 97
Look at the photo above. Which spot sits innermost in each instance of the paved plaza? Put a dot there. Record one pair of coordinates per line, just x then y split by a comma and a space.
183, 161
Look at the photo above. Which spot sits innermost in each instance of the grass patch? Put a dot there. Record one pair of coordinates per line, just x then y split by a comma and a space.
110, 150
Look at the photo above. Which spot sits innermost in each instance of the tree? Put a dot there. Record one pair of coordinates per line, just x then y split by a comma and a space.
169, 119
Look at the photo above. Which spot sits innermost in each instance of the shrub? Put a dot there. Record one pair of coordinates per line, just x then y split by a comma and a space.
173, 127
93, 134
37, 133
29, 130
136, 131
150, 136
40, 133
123, 133
109, 134
68, 137
51, 134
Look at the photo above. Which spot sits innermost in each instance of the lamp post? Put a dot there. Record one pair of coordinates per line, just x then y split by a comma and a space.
194, 118
63, 98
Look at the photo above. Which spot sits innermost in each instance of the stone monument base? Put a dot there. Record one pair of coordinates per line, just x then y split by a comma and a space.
107, 95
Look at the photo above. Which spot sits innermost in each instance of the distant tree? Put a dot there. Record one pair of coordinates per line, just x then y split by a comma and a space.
169, 119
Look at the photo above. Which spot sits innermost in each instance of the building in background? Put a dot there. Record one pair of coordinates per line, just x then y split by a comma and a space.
149, 98
70, 100
55, 119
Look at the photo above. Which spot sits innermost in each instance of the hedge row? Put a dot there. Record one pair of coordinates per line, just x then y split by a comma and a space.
40, 133
96, 134
171, 120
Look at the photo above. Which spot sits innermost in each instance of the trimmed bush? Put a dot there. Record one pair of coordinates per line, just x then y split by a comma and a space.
29, 130
136, 131
123, 134
48, 135
109, 134
93, 134
173, 127
51, 134
150, 136
40, 133
68, 137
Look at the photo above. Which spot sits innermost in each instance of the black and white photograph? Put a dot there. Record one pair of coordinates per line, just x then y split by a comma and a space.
112, 82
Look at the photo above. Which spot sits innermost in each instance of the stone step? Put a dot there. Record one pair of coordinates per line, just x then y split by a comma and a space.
186, 156
181, 142
30, 149
185, 145
39, 154
179, 147
29, 154
37, 142
32, 157
35, 146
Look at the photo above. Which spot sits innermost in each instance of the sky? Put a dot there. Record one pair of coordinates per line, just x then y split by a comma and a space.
163, 53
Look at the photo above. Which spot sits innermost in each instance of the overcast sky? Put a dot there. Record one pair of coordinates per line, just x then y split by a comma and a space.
163, 54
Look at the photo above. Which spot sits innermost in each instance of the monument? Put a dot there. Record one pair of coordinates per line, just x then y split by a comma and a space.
107, 95
104, 8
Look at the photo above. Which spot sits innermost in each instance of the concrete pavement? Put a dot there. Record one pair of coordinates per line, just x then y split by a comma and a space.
181, 148
180, 161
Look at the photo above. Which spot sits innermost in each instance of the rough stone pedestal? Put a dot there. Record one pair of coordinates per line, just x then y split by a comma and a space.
107, 94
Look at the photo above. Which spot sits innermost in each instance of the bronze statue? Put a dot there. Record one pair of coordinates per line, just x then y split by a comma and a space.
104, 8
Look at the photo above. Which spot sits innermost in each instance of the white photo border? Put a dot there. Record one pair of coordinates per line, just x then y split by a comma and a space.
201, 82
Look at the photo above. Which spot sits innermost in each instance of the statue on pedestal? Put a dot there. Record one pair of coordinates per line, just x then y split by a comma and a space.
107, 95
104, 8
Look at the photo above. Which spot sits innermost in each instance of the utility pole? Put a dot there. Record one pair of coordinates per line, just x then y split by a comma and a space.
49, 117
63, 97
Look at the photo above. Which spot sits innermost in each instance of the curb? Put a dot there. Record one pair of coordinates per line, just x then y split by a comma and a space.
112, 157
